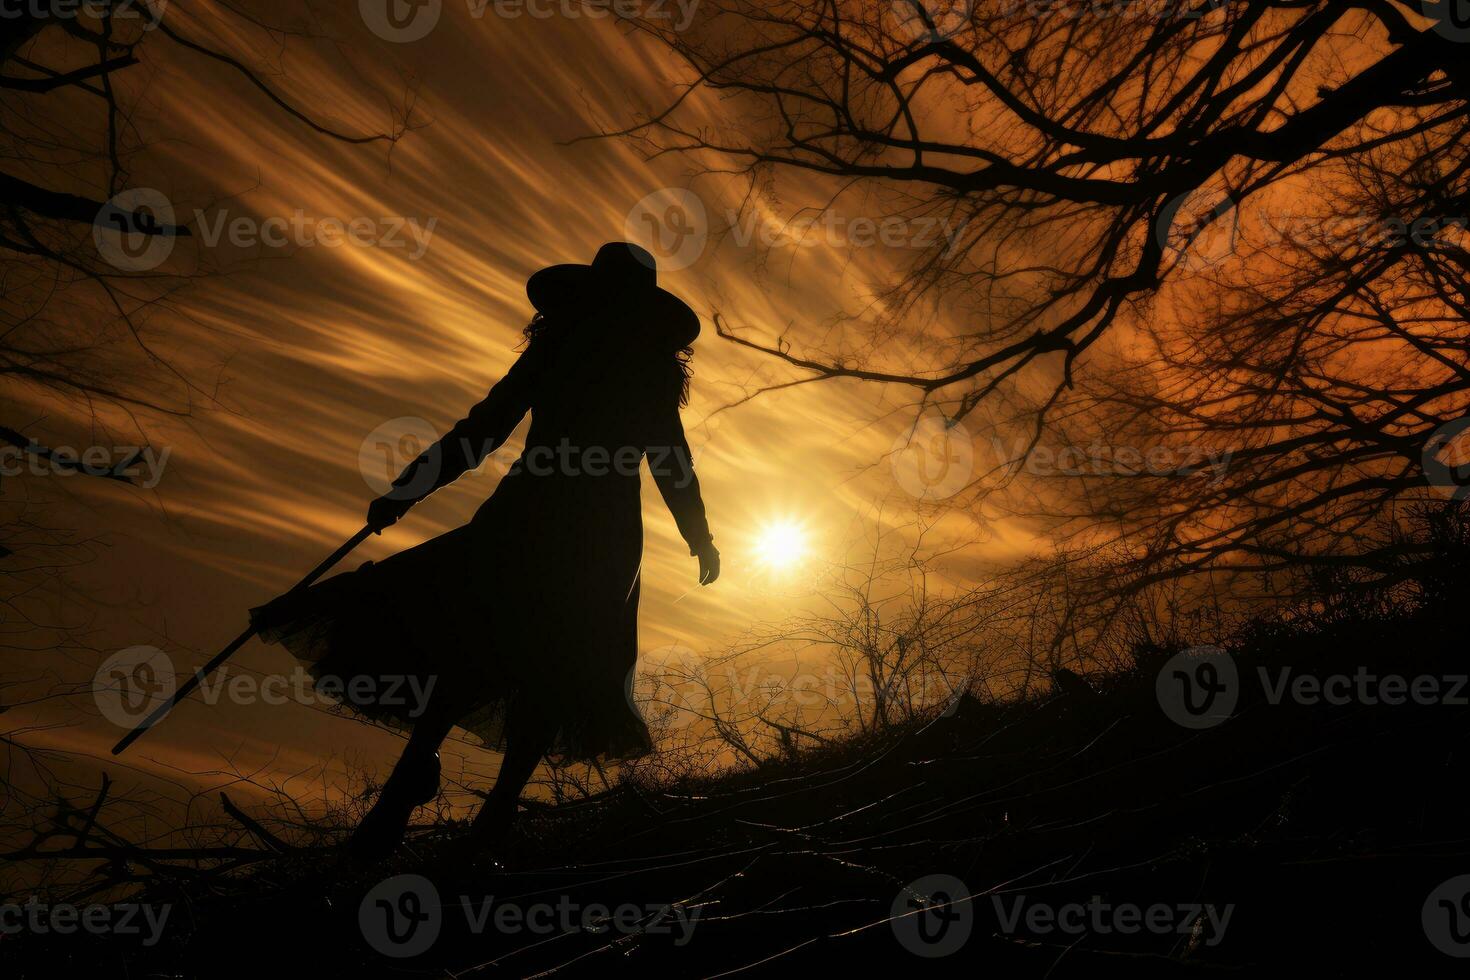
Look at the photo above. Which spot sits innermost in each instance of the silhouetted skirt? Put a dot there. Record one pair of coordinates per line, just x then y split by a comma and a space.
503, 623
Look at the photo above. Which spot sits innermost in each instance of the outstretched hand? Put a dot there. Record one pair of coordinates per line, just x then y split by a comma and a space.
709, 565
385, 512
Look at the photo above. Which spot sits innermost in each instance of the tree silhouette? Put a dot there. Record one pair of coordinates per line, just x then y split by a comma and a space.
73, 321
1236, 227
77, 345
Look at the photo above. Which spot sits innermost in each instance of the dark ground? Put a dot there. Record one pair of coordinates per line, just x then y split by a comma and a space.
1323, 829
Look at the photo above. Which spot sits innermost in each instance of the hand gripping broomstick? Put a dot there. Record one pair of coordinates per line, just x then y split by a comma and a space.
187, 688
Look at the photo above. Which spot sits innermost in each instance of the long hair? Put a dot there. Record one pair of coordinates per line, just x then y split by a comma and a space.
683, 358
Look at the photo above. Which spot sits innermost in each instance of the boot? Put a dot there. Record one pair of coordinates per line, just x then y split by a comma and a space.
414, 782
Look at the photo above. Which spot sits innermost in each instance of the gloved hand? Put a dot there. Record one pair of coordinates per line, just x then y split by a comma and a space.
709, 565
385, 512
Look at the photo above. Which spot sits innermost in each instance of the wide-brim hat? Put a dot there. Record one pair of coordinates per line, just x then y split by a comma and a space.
622, 278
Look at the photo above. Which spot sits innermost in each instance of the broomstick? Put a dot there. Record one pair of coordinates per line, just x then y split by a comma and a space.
187, 688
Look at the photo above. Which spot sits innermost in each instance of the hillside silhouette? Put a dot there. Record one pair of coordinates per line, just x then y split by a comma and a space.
1315, 832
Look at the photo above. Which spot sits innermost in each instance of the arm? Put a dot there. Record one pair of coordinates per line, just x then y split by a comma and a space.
672, 465
464, 446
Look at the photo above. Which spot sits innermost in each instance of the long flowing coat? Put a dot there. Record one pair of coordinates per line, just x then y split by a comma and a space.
529, 611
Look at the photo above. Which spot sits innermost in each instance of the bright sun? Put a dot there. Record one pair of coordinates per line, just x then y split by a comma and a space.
781, 544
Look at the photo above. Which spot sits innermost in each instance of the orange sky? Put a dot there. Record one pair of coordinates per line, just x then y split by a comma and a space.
319, 347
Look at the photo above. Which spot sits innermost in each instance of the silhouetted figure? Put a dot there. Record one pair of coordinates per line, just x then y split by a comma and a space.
525, 620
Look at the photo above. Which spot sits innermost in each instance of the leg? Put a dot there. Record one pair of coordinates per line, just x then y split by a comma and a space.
526, 744
414, 782
416, 774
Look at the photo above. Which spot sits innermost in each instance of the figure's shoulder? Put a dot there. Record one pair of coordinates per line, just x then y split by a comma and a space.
542, 331
544, 337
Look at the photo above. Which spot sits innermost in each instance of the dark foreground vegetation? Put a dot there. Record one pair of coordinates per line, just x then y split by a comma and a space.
1290, 838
